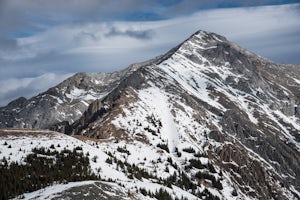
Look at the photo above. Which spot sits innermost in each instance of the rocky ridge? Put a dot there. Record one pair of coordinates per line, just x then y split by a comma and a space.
63, 104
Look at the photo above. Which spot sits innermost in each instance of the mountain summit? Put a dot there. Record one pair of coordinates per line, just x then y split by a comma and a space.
208, 110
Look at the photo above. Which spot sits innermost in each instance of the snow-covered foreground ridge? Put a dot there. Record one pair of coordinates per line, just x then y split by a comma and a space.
15, 144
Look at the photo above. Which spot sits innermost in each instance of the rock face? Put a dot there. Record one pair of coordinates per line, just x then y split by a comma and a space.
208, 94
62, 104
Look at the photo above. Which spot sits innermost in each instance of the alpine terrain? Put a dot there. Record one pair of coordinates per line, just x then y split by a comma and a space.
206, 120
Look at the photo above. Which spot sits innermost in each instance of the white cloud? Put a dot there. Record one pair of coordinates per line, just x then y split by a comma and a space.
246, 26
272, 31
13, 88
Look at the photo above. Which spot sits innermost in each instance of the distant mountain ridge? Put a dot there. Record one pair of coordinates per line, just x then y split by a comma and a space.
205, 101
65, 102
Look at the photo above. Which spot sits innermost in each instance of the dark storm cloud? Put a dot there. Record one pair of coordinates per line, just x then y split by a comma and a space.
137, 34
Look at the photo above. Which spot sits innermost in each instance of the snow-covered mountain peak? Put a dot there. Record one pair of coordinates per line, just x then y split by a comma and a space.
222, 119
206, 39
200, 41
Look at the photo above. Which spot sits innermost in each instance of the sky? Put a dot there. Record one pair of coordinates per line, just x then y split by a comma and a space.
43, 42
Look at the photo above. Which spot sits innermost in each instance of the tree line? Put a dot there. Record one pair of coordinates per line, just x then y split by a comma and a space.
43, 168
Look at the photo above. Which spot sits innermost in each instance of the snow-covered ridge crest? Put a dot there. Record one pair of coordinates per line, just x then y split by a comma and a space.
16, 144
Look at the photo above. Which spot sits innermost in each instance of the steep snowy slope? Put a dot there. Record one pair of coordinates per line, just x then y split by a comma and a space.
239, 110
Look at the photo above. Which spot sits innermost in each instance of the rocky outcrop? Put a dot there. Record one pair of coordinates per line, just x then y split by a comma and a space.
65, 102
